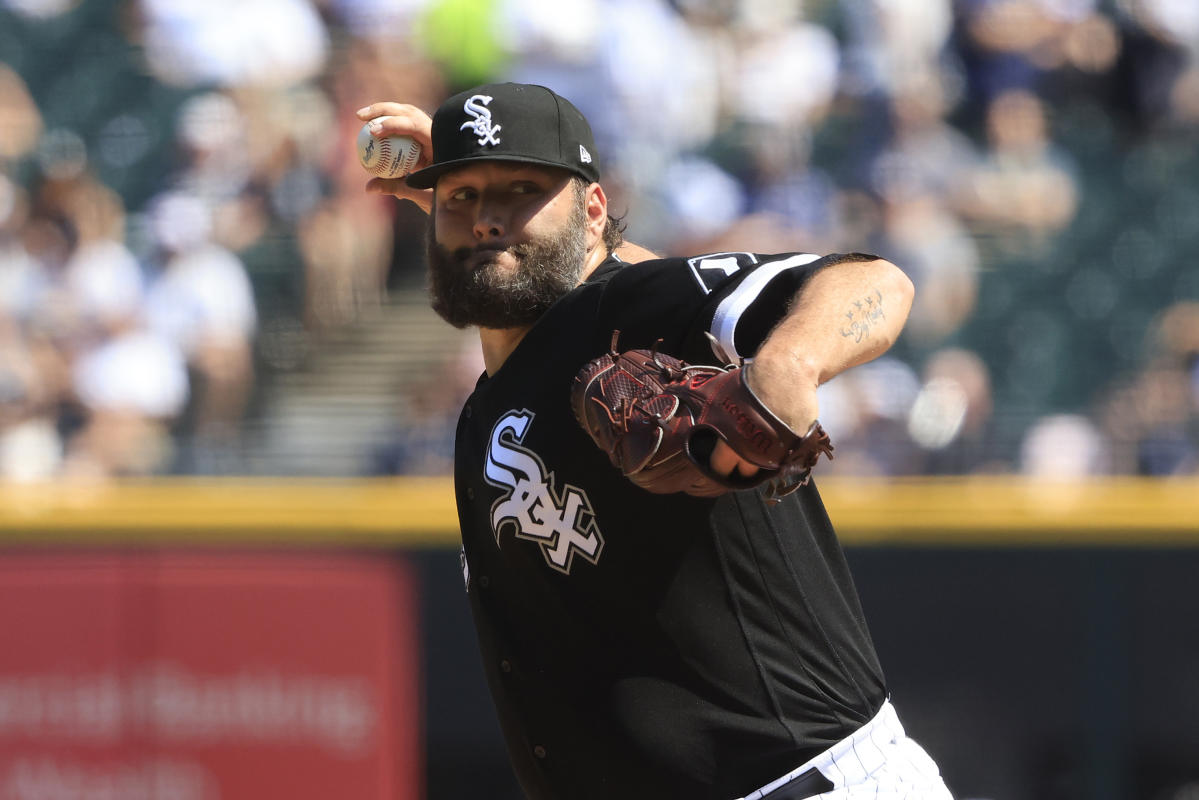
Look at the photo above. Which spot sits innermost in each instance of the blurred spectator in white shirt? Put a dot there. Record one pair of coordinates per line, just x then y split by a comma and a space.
393, 22
132, 387
869, 408
203, 302
233, 43
787, 69
892, 41
951, 417
1063, 446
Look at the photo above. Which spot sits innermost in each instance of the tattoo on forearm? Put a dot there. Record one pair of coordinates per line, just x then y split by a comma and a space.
863, 316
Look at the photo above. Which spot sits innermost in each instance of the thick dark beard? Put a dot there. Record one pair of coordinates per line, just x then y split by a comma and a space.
548, 267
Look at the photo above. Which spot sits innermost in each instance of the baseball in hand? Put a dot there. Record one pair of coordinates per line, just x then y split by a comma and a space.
389, 157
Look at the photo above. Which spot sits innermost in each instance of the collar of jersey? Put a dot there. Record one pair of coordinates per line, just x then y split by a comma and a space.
609, 265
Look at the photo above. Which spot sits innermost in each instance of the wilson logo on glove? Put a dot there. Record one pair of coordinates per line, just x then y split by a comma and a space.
658, 419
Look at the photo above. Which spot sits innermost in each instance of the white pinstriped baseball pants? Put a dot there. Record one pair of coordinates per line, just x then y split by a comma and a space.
878, 760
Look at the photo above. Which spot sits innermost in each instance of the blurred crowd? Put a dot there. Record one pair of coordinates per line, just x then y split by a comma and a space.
182, 220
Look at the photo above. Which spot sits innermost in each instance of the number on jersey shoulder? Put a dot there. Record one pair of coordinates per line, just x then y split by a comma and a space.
713, 269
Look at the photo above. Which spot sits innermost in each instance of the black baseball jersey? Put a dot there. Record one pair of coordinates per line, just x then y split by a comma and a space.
641, 645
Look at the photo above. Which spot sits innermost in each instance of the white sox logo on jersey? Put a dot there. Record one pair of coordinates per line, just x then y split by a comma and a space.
562, 523
476, 107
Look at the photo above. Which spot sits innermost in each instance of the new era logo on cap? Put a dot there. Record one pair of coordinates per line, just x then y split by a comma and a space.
515, 122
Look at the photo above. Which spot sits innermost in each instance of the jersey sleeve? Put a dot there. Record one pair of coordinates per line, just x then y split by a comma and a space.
743, 309
737, 298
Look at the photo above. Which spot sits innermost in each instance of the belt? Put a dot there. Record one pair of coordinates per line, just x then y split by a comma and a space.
808, 783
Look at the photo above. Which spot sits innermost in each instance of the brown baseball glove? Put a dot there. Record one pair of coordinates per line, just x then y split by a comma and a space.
658, 419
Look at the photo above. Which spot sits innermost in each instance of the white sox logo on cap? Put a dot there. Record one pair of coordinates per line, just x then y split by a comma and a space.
476, 107
540, 128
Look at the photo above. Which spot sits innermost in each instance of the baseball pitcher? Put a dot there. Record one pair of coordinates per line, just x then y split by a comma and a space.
662, 605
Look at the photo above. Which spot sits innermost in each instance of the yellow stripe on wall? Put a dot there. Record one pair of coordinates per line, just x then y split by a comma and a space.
407, 512
419, 512
1015, 511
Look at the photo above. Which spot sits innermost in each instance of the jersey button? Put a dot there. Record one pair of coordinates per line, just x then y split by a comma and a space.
470, 493
484, 581
466, 411
505, 665
539, 751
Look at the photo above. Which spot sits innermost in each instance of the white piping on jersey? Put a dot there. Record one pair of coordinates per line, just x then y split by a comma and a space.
728, 313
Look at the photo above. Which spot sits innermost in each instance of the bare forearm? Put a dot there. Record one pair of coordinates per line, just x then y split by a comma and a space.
846, 315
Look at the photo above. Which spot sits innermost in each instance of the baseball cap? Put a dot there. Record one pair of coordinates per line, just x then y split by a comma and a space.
517, 122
